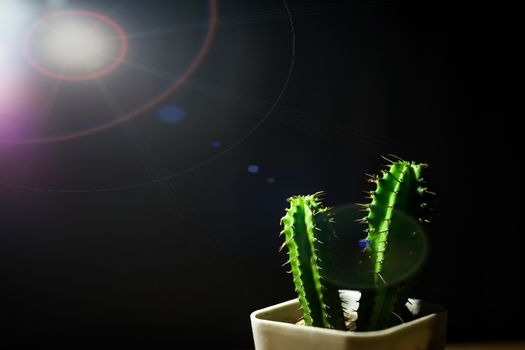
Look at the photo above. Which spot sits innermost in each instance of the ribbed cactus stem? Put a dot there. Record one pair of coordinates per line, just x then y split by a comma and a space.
307, 231
399, 192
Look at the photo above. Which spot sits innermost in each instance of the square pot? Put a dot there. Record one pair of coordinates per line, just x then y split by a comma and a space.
275, 328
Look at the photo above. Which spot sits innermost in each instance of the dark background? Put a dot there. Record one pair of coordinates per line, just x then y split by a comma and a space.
189, 258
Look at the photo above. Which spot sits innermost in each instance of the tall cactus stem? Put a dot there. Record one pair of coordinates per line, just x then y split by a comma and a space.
398, 191
308, 232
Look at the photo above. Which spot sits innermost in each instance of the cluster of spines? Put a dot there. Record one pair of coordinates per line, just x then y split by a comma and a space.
400, 190
308, 231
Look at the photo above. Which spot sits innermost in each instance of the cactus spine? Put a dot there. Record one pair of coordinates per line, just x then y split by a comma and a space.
399, 191
307, 227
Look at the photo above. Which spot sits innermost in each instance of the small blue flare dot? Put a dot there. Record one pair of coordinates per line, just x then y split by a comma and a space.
253, 168
216, 144
364, 243
171, 114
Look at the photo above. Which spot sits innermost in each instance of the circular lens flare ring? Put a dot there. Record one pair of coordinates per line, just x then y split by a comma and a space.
122, 38
214, 14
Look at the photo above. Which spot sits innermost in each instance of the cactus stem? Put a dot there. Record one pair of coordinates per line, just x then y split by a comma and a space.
396, 179
398, 192
307, 230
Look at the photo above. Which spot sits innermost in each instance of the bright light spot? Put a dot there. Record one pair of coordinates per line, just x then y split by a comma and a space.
77, 45
3, 55
13, 15
13, 18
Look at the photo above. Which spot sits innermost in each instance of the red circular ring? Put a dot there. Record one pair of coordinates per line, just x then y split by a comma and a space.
150, 104
123, 50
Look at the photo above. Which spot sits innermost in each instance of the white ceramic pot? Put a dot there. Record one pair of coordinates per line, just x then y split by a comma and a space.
275, 328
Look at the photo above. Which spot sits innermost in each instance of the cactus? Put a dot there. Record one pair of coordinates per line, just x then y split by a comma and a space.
399, 191
309, 234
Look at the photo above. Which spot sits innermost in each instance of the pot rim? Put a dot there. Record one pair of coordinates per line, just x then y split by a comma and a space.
258, 316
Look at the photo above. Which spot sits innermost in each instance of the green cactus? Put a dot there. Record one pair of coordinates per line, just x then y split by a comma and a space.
399, 192
308, 235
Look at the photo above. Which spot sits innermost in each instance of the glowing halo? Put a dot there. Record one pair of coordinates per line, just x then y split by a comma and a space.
225, 150
148, 105
122, 38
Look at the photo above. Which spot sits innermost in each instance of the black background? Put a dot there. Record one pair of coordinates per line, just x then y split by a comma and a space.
189, 258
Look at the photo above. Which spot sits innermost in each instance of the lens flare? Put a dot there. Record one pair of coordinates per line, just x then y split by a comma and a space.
405, 255
35, 48
75, 45
13, 15
16, 107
